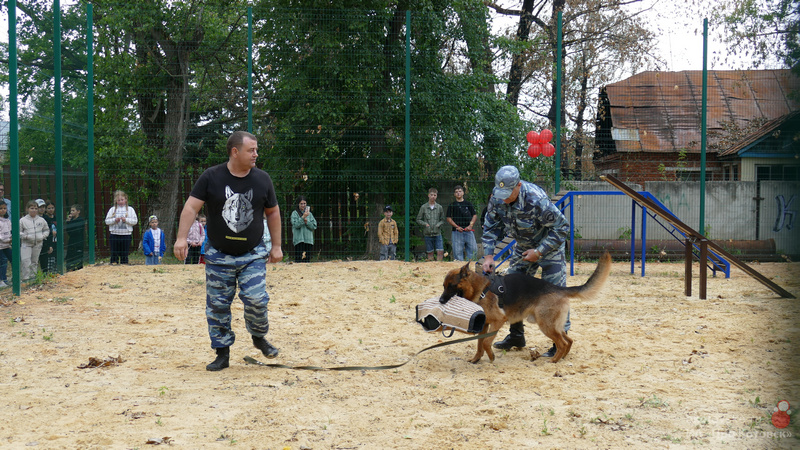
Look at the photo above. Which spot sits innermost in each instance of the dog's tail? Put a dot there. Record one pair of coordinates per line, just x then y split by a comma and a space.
597, 280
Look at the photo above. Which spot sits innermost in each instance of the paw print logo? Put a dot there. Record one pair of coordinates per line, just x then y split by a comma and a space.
780, 415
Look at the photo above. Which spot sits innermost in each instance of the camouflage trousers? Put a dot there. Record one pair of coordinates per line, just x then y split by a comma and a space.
223, 273
553, 264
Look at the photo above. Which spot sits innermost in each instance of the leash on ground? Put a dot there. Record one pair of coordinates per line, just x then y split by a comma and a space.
250, 360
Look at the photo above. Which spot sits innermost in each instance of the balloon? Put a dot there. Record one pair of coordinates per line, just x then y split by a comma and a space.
534, 150
545, 136
532, 137
548, 149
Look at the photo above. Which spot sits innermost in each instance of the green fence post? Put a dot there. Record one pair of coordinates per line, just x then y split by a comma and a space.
90, 132
704, 104
249, 69
59, 150
13, 143
559, 39
408, 135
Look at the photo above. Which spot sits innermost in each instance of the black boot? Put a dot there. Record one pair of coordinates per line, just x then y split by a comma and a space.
515, 338
222, 361
552, 352
266, 348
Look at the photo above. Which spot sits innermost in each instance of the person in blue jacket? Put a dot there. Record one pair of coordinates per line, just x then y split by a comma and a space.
153, 243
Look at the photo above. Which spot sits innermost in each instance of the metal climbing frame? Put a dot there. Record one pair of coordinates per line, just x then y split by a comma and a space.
715, 261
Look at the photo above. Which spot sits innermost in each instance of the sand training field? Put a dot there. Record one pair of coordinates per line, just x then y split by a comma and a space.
650, 367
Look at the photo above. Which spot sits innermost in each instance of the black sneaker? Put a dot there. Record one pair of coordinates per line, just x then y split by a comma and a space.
550, 353
266, 348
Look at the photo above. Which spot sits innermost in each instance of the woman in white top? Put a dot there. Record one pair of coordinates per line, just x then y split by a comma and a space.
120, 220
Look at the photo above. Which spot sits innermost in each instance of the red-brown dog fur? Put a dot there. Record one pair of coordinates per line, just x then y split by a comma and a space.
542, 302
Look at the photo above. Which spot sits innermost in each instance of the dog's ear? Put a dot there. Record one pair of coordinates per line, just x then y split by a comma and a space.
465, 271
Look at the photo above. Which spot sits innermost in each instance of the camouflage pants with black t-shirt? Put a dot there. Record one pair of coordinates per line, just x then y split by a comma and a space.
223, 273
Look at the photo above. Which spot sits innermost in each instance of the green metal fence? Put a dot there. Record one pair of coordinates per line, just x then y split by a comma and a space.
354, 109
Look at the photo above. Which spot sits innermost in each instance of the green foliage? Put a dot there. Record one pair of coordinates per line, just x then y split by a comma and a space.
329, 97
761, 30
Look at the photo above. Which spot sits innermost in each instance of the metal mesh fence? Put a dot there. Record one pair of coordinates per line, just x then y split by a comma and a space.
358, 109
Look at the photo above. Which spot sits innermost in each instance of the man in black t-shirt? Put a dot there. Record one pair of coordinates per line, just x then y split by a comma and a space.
236, 195
461, 216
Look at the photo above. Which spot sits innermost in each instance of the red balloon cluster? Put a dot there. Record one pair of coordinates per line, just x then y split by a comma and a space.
540, 143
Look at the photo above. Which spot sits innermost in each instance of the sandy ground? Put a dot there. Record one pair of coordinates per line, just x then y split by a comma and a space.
649, 367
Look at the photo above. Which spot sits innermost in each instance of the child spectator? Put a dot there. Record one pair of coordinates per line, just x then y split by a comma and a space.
204, 222
47, 258
197, 235
120, 220
5, 244
153, 243
74, 230
33, 230
388, 235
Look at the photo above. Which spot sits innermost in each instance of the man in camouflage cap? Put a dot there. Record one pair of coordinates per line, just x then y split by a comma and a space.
525, 212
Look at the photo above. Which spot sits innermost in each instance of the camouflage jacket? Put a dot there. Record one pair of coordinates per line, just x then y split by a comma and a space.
532, 220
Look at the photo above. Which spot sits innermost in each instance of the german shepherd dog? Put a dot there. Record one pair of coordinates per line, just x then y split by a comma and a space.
524, 297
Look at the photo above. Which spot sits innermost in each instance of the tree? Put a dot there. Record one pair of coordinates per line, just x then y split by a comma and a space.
762, 30
334, 90
165, 72
184, 69
601, 41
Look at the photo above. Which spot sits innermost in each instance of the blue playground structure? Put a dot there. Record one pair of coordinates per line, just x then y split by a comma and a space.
716, 262
696, 245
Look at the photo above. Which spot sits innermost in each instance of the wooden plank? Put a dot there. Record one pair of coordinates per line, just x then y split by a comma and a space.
703, 267
687, 268
692, 233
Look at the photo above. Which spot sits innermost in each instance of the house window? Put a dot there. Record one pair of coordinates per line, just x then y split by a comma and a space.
777, 172
730, 172
693, 173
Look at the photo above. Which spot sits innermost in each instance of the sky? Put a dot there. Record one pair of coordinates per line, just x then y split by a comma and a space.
680, 41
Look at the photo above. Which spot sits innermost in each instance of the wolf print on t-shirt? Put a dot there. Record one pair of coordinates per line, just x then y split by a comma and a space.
238, 209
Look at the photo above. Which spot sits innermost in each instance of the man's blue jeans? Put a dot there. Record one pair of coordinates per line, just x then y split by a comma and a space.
464, 245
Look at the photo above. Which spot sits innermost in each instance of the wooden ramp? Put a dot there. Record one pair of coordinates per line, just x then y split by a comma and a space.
693, 237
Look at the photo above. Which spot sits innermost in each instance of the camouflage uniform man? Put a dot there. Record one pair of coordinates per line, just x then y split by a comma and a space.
237, 195
525, 211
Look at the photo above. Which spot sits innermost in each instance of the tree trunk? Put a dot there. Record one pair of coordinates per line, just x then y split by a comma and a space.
518, 62
579, 119
167, 203
377, 106
176, 125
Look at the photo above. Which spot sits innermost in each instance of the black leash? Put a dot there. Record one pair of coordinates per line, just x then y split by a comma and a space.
250, 360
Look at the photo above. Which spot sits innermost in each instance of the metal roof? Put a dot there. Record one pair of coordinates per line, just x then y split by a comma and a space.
660, 111
760, 134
